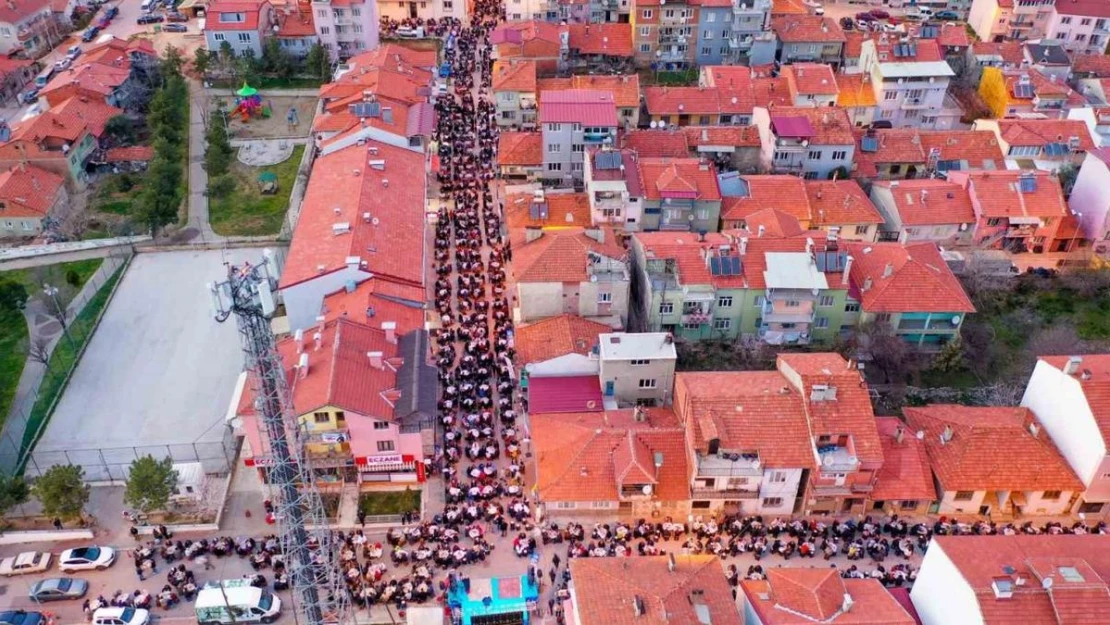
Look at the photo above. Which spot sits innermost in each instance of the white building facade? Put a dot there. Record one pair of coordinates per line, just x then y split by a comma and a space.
346, 29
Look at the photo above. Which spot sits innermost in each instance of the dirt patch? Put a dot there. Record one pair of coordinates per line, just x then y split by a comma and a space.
277, 124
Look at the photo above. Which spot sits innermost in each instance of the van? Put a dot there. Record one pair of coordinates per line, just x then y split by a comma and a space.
147, 5
237, 602
44, 77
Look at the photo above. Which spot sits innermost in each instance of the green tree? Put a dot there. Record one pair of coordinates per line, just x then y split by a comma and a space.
73, 278
217, 156
276, 60
13, 296
121, 129
317, 62
202, 61
62, 491
171, 62
13, 492
840, 173
150, 483
221, 186
1067, 174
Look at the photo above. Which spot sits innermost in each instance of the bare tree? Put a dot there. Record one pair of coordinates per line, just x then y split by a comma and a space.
39, 350
1088, 283
1001, 395
1060, 338
877, 344
76, 225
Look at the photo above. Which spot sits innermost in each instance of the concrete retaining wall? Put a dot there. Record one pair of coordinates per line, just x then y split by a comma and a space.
43, 536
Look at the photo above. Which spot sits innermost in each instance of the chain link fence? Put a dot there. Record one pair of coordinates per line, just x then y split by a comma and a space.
111, 464
54, 360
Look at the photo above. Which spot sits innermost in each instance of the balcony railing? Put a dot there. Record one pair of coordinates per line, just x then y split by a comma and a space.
698, 318
727, 493
862, 488
914, 104
1021, 231
740, 43
837, 459
831, 490
801, 315
1022, 25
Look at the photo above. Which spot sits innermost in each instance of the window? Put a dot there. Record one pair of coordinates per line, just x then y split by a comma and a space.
385, 445
666, 308
1065, 20
821, 322
244, 37
218, 36
814, 155
554, 127
882, 318
777, 477
576, 166
554, 167
639, 362
647, 383
840, 155
782, 156
724, 301
862, 230
381, 425
722, 323
553, 148
1085, 21
356, 12
895, 170
964, 495
890, 95
707, 35
792, 303
851, 307
759, 299
645, 31
669, 13
647, 14
706, 51
700, 505
711, 17
1050, 495
645, 47
357, 28
325, 30
772, 502
321, 417
994, 221
604, 298
825, 301
337, 12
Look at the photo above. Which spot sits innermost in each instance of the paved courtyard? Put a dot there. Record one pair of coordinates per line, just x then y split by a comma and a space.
157, 375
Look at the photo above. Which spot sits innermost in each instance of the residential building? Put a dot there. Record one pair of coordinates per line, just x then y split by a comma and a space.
811, 84
679, 194
554, 210
907, 153
1028, 93
355, 224
914, 93
520, 155
1068, 396
29, 197
296, 31
1046, 144
418, 10
682, 589
564, 345
700, 106
29, 27
996, 580
542, 42
360, 394
809, 38
241, 24
1019, 211
807, 141
624, 463
572, 121
603, 48
514, 93
993, 461
1080, 25
1003, 55
55, 142
137, 56
637, 369
574, 271
797, 596
904, 485
1089, 202
376, 302
838, 207
748, 440
14, 76
728, 29
625, 89
614, 188
1093, 65
998, 20
928, 209
910, 288
857, 98
665, 34
349, 27
95, 113
729, 148
661, 143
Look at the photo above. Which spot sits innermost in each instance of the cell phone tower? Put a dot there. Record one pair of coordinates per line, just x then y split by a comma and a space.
319, 594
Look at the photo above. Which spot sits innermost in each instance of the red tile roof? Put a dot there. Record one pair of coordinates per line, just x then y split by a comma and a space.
927, 202
680, 178
830, 124
250, 10
560, 255
732, 136
807, 28
575, 393
521, 149
798, 596
1084, 8
80, 109
393, 247
625, 88
850, 413
296, 25
755, 261
608, 39
689, 255
910, 145
839, 203
810, 79
982, 559
990, 449
531, 39
771, 92
747, 411
855, 91
515, 75
774, 223
556, 336
563, 210
376, 301
999, 194
50, 125
787, 194
1041, 132
589, 107
1011, 52
1095, 65
28, 191
1096, 387
92, 77
905, 474
682, 100
604, 589
896, 278
129, 153
16, 11
656, 143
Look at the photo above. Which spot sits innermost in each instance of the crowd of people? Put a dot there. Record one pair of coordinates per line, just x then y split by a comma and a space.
441, 28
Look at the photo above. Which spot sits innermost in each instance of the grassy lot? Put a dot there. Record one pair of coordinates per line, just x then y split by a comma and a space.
245, 211
679, 78
118, 194
33, 279
271, 82
65, 357
389, 502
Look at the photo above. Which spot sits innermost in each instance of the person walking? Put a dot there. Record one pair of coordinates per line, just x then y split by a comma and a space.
57, 523
139, 571
362, 518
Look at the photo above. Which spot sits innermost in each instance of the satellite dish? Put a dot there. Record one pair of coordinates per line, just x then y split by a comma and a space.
375, 221
828, 461
647, 489
591, 404
956, 320
1046, 583
653, 124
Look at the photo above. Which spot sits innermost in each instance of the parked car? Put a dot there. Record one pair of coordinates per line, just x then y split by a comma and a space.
90, 34
847, 23
58, 589
121, 616
26, 562
882, 123
947, 15
22, 617
103, 23
63, 64
73, 52
866, 16
175, 28
176, 17
150, 18
29, 96
111, 13
86, 558
880, 14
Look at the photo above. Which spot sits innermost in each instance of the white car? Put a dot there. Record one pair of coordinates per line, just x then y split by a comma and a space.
86, 558
26, 562
121, 616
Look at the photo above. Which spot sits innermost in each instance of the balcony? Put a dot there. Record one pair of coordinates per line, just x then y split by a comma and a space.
1021, 231
778, 312
343, 21
635, 492
781, 336
740, 43
1102, 27
727, 493
862, 488
723, 465
837, 459
1022, 25
831, 491
914, 104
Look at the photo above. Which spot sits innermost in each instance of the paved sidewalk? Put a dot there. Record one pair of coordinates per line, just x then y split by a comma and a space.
198, 178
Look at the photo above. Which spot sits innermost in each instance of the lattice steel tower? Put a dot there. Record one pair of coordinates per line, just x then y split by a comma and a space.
319, 594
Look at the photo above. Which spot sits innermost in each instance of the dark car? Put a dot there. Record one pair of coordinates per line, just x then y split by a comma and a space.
882, 123
58, 589
29, 96
90, 34
866, 16
946, 15
175, 28
103, 23
177, 17
880, 14
150, 18
111, 12
846, 23
21, 617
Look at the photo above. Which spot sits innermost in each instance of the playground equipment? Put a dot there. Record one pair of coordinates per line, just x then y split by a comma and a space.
248, 103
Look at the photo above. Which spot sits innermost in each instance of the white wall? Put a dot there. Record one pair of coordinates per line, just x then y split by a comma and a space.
569, 364
303, 301
941, 595
1089, 197
538, 300
949, 505
788, 490
1061, 406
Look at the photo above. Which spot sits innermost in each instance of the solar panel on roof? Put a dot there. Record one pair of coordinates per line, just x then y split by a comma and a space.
929, 31
735, 261
366, 109
538, 210
1028, 184
949, 165
1023, 91
714, 265
1056, 149
607, 160
870, 144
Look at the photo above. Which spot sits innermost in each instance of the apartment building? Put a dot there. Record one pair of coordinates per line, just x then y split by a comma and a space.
999, 20
1047, 144
514, 93
686, 589
422, 9
665, 33
728, 31
811, 84
614, 187
28, 197
625, 89
1081, 26
241, 24
637, 369
1089, 202
839, 208
914, 93
679, 194
907, 153
807, 141
29, 26
793, 596
1019, 211
809, 38
572, 121
349, 27
928, 209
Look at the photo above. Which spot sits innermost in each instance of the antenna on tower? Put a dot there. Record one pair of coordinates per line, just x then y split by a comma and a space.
311, 556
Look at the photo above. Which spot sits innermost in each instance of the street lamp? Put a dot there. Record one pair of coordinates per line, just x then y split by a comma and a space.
52, 293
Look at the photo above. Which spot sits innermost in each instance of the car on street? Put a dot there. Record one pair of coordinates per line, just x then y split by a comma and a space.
112, 12
63, 63
26, 562
880, 14
947, 15
86, 558
175, 28
121, 616
176, 17
90, 34
866, 16
29, 96
103, 23
22, 617
73, 52
58, 589
150, 18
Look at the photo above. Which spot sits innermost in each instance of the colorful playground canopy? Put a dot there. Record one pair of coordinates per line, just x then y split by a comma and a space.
246, 91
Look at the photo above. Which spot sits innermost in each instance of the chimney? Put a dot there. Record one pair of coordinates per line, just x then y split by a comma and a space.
847, 270
302, 366
888, 270
375, 359
1073, 365
809, 245
744, 245
532, 234
899, 433
946, 435
390, 329
762, 229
